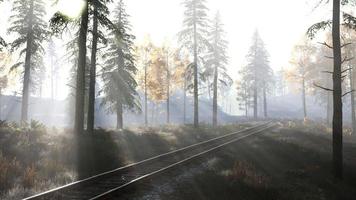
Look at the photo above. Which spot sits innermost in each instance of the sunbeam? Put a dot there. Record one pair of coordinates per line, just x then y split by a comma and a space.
71, 8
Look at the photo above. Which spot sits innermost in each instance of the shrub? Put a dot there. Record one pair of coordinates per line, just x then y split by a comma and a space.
29, 177
246, 173
9, 169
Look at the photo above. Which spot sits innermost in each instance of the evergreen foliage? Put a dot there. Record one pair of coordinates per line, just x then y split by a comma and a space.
193, 37
119, 67
217, 60
257, 71
27, 21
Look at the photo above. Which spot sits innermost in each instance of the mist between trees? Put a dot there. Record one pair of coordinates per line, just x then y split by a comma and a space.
115, 81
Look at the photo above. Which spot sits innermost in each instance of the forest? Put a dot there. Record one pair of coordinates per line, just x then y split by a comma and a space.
179, 99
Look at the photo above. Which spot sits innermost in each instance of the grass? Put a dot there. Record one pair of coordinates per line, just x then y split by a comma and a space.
293, 162
35, 158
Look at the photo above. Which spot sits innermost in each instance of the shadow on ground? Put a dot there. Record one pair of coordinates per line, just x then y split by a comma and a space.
285, 164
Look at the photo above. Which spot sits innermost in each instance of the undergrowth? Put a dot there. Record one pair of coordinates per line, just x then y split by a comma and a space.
35, 158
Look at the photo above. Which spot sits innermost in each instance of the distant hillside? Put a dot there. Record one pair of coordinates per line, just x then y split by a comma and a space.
57, 113
290, 107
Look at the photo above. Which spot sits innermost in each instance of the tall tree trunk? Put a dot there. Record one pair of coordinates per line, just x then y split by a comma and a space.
0, 104
27, 74
246, 110
255, 101
215, 97
92, 81
185, 100
52, 79
337, 118
52, 87
304, 99
56, 87
41, 89
168, 90
230, 108
246, 103
352, 100
209, 89
153, 113
265, 102
119, 116
146, 107
329, 108
196, 92
80, 82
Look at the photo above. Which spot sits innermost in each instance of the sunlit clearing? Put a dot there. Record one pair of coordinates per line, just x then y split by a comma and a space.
71, 8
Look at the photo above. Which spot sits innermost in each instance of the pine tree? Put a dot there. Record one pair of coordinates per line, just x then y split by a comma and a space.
258, 71
281, 87
52, 55
217, 61
193, 37
337, 74
120, 68
245, 90
80, 72
99, 11
4, 58
244, 96
58, 24
349, 37
304, 69
2, 41
71, 57
28, 24
337, 87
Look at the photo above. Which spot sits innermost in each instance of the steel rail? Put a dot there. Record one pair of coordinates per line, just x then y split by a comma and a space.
103, 195
151, 160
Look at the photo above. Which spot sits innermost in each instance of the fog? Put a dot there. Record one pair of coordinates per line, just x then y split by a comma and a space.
178, 99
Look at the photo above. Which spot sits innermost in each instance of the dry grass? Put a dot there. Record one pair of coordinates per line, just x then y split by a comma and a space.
34, 158
290, 163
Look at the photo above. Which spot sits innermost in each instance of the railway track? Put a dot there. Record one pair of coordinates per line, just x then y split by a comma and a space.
103, 185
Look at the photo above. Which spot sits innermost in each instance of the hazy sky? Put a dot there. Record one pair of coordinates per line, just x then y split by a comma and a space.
281, 24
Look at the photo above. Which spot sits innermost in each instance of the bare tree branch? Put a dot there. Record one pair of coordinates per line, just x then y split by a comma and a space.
348, 93
346, 59
325, 44
324, 88
317, 5
71, 86
345, 45
329, 57
328, 72
348, 69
